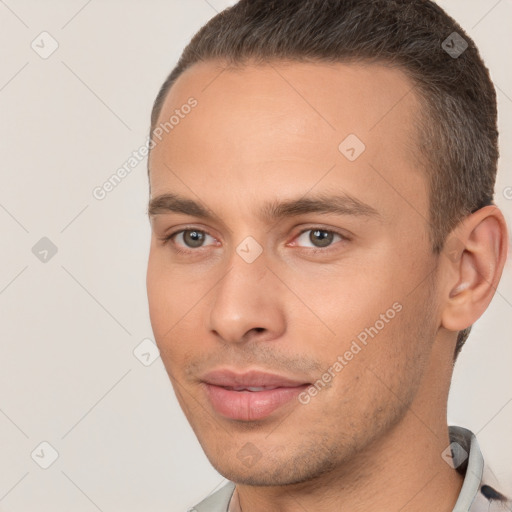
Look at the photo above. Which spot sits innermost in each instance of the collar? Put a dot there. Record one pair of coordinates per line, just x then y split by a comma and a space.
479, 489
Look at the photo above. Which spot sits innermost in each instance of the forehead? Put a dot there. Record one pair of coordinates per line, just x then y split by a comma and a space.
259, 130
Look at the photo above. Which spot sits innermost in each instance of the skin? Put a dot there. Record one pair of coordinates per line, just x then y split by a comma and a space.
372, 439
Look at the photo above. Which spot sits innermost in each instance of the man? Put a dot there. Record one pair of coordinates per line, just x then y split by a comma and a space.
323, 237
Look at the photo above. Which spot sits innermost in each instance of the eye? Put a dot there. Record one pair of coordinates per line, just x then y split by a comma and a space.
319, 237
189, 239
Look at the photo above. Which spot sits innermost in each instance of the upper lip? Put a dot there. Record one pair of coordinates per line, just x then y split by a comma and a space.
252, 378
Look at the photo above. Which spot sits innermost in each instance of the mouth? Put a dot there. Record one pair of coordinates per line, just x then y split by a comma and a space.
250, 396
249, 388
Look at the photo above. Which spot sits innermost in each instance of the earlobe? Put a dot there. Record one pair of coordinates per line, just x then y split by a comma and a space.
481, 243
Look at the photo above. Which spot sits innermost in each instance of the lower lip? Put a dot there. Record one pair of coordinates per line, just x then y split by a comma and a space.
250, 405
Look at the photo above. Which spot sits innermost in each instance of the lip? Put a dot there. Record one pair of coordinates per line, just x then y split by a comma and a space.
252, 378
249, 405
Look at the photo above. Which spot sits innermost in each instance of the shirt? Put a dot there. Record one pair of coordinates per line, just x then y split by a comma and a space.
479, 491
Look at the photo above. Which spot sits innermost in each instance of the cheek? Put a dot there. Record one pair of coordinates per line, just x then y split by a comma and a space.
165, 297
175, 300
394, 351
375, 380
342, 302
156, 284
374, 325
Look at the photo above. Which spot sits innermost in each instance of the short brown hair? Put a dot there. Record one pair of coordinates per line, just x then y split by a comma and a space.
458, 131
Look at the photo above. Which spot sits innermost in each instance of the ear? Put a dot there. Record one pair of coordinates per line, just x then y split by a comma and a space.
475, 254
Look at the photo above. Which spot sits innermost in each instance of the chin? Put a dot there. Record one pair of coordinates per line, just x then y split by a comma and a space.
289, 469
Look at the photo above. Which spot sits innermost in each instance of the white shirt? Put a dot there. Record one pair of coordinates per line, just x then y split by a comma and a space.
479, 493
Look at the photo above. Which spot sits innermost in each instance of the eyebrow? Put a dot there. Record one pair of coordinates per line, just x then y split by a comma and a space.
343, 204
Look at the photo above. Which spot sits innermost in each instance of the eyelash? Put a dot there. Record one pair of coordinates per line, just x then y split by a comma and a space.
166, 239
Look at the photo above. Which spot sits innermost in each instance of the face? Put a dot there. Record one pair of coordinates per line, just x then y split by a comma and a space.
296, 259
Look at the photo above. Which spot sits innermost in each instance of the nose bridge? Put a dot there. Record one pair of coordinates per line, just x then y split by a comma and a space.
247, 267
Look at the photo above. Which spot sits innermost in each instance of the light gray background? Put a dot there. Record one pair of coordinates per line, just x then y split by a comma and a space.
68, 375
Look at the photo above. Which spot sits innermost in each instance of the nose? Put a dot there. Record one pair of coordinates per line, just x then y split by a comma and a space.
247, 304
